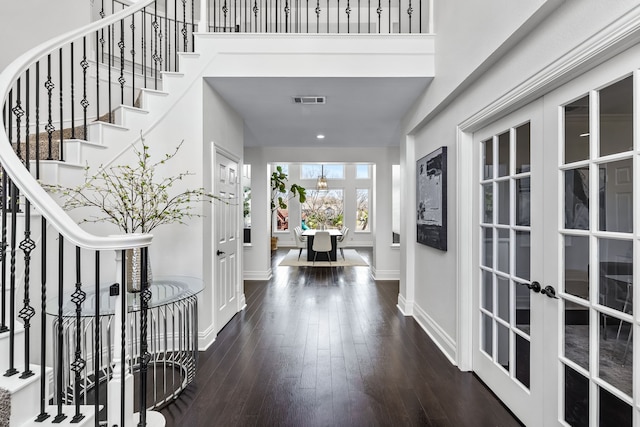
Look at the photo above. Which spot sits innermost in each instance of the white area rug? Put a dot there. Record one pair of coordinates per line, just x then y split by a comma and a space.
352, 258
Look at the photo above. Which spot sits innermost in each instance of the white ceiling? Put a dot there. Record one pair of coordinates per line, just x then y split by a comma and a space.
359, 112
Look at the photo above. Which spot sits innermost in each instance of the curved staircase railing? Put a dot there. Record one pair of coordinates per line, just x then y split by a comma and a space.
55, 93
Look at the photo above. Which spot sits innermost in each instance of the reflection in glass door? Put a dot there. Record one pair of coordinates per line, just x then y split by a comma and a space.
596, 356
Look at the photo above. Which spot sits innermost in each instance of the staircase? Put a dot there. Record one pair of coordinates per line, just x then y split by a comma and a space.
43, 142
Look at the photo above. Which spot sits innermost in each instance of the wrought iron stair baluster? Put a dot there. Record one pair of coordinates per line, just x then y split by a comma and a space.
121, 79
27, 312
97, 355
59, 330
12, 280
77, 366
3, 279
61, 92
73, 99
84, 64
184, 24
44, 398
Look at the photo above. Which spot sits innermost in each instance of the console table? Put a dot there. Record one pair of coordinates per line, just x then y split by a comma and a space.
172, 338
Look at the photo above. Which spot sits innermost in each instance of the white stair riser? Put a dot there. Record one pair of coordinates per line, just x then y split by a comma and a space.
126, 116
18, 357
102, 133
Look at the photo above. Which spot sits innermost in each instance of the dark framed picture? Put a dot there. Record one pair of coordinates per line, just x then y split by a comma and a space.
431, 202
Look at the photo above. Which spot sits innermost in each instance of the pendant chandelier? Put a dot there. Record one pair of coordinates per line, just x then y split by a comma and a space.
322, 181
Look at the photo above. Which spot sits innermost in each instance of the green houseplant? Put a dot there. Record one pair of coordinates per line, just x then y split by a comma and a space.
134, 197
281, 195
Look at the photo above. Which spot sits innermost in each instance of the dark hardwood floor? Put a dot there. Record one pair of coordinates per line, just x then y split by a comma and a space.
328, 347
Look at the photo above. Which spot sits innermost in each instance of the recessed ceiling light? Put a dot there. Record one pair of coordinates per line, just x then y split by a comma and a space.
320, 136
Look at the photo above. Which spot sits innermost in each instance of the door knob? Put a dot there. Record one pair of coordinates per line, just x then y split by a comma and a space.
549, 291
219, 252
534, 286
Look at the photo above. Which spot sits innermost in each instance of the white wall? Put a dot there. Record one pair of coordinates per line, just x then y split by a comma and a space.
428, 286
27, 23
257, 261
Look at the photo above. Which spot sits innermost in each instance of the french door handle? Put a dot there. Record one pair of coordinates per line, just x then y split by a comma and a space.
219, 252
534, 286
549, 291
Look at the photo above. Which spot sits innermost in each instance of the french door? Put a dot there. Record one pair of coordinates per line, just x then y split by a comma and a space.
557, 241
514, 324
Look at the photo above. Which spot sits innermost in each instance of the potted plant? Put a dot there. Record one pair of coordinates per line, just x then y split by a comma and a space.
133, 198
280, 197
246, 214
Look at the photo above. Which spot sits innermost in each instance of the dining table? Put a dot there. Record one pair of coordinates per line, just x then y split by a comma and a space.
322, 256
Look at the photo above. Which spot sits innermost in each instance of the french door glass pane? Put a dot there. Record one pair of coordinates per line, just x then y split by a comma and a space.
503, 250
615, 351
523, 360
503, 298
576, 266
576, 130
487, 259
503, 154
616, 269
616, 196
523, 148
576, 398
523, 307
504, 202
502, 346
523, 208
576, 199
576, 333
487, 169
487, 290
487, 334
613, 411
616, 117
487, 190
523, 254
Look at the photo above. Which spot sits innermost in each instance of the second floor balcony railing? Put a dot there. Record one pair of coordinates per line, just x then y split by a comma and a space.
321, 16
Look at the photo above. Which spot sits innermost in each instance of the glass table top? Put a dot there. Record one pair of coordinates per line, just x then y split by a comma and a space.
164, 290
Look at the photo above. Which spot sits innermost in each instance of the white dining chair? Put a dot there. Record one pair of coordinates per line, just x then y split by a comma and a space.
322, 243
341, 241
301, 241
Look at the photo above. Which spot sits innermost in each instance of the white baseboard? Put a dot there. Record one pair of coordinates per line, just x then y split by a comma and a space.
405, 307
385, 274
206, 338
445, 343
256, 275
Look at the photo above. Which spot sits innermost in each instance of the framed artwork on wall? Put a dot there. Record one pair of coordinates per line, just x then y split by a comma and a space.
431, 202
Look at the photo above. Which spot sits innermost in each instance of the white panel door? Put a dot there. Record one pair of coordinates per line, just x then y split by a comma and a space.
226, 243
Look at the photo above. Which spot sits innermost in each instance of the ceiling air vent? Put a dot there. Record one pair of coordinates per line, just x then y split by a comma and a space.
310, 99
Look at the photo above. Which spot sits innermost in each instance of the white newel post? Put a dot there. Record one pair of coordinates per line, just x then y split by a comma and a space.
115, 384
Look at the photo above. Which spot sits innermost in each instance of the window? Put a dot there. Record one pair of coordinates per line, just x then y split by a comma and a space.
324, 208
313, 171
362, 171
362, 209
282, 215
